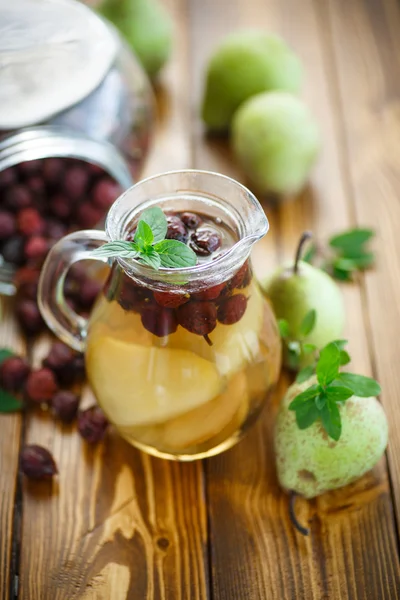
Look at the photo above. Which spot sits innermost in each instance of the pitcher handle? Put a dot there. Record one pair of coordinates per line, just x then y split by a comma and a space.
70, 327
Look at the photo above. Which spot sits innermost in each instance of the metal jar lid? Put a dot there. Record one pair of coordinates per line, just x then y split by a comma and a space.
53, 53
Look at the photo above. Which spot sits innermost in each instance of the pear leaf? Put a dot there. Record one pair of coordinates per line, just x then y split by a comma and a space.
308, 323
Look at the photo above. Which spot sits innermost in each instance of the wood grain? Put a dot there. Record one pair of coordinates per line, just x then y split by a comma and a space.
254, 551
369, 103
10, 434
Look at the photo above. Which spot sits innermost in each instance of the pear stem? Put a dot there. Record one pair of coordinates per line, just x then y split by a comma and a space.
292, 514
206, 337
307, 235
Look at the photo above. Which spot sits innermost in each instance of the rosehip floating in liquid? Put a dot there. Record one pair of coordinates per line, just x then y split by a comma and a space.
37, 463
198, 317
232, 309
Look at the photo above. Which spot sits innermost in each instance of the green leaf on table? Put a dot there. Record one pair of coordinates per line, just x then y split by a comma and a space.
339, 274
305, 374
338, 393
308, 323
361, 386
155, 218
144, 235
117, 249
351, 240
328, 364
174, 254
308, 394
306, 415
283, 326
5, 353
331, 420
9, 403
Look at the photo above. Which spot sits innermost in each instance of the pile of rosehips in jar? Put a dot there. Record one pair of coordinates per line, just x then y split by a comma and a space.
50, 386
40, 202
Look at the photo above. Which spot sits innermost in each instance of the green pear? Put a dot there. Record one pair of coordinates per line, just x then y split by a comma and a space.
146, 27
294, 290
244, 64
310, 463
276, 141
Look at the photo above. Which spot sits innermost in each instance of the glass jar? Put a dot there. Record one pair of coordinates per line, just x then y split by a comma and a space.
181, 360
76, 109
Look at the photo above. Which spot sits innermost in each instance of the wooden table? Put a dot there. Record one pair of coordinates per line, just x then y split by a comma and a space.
120, 525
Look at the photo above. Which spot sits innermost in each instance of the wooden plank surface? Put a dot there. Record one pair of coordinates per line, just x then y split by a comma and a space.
118, 524
352, 551
10, 434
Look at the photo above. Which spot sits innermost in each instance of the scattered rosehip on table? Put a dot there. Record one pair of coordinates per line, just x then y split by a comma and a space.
37, 463
92, 424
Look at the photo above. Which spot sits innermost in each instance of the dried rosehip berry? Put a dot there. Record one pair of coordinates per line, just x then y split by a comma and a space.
13, 250
37, 462
170, 299
53, 169
13, 373
60, 206
88, 215
176, 229
59, 356
95, 169
191, 220
8, 177
54, 229
17, 197
41, 385
133, 297
105, 192
198, 317
36, 248
211, 293
36, 185
232, 309
238, 278
29, 167
65, 405
76, 181
7, 225
29, 317
92, 424
30, 222
205, 242
26, 282
159, 321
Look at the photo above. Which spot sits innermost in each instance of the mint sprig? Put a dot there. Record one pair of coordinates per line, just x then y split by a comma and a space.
297, 346
150, 246
322, 400
347, 255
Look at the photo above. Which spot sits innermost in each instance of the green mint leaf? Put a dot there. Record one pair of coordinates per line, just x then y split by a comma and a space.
8, 402
305, 374
340, 343
308, 323
320, 401
344, 358
351, 240
307, 415
117, 249
156, 220
339, 274
345, 264
144, 236
174, 254
308, 348
331, 420
283, 326
328, 364
150, 257
310, 254
361, 386
308, 394
5, 353
338, 393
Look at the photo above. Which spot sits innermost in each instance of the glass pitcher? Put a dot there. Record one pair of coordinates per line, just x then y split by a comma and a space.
180, 360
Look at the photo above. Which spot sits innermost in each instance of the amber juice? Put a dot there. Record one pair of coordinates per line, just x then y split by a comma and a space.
181, 395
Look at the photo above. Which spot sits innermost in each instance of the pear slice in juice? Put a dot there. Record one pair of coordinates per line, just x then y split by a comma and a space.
138, 384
